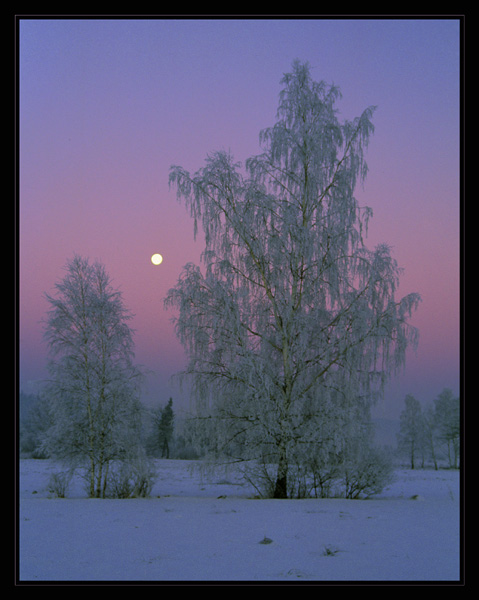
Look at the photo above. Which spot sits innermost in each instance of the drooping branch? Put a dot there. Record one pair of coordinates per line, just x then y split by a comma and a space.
292, 305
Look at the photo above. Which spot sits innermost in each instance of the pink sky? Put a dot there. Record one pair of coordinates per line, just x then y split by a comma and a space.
107, 106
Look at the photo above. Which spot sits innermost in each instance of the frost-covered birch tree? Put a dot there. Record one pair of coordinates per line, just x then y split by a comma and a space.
93, 386
293, 319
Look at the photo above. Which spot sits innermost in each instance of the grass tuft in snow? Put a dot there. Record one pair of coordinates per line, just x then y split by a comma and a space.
330, 551
266, 540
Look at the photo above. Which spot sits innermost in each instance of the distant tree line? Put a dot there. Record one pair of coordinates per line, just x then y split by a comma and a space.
34, 421
432, 434
158, 433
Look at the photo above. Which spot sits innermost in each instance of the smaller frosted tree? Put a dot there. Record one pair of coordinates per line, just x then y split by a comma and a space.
447, 412
93, 386
411, 435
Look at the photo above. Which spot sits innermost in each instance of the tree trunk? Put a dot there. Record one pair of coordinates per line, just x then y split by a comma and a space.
105, 480
92, 477
166, 450
281, 486
433, 452
99, 481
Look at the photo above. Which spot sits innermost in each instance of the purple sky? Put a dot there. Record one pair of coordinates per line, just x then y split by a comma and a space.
107, 106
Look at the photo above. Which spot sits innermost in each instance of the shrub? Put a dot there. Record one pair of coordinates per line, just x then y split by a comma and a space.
131, 478
261, 476
59, 483
367, 474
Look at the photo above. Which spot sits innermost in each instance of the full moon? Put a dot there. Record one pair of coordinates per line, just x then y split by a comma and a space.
157, 259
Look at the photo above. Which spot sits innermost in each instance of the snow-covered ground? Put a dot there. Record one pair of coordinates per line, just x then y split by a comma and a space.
196, 528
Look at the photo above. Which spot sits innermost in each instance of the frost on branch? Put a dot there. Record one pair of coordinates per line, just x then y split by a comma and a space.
293, 318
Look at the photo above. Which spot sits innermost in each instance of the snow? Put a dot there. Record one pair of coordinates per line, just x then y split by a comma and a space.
213, 529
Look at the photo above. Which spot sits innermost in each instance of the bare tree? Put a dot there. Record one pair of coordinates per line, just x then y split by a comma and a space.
411, 437
430, 432
447, 413
93, 388
293, 317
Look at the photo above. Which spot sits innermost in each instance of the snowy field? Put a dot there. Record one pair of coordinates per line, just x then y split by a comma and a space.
195, 528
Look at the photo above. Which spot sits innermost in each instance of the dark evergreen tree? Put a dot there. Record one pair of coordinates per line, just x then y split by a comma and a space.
165, 429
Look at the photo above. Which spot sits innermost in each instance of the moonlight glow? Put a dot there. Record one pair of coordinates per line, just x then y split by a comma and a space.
157, 259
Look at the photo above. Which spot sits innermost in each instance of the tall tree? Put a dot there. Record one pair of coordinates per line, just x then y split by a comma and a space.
93, 386
293, 318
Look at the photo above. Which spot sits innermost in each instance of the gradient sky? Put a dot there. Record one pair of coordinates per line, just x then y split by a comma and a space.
107, 106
